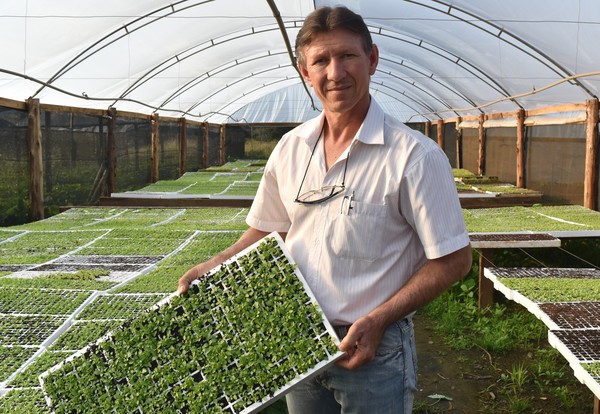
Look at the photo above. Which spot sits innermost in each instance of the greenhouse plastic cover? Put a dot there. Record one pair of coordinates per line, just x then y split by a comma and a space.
229, 61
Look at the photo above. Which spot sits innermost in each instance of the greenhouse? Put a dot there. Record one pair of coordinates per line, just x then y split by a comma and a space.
133, 138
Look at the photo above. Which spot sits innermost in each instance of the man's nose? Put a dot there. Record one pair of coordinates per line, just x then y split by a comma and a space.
336, 70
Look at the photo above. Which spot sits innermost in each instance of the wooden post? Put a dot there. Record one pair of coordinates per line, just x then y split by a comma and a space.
205, 156
155, 139
428, 128
486, 286
36, 162
440, 134
596, 405
111, 152
590, 185
48, 181
182, 145
481, 159
521, 148
459, 144
222, 144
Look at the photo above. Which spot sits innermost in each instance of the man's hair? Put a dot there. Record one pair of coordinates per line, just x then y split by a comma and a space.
327, 19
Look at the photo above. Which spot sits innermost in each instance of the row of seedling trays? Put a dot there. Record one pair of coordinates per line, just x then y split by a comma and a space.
567, 300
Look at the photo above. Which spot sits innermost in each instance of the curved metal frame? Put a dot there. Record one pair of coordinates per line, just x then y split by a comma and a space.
550, 63
84, 54
478, 22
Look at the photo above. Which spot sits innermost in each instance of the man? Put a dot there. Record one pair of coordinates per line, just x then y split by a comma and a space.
369, 211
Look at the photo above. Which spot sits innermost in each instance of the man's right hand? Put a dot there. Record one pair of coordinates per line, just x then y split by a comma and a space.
249, 237
189, 276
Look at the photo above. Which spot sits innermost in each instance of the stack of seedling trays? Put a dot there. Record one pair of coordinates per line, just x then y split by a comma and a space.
242, 337
567, 300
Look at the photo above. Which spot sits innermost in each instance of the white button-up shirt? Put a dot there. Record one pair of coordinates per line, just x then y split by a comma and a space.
356, 250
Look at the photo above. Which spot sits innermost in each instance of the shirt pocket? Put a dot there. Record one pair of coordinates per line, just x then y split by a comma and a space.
360, 234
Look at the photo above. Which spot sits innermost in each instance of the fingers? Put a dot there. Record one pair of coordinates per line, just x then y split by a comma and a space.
360, 344
355, 357
348, 344
185, 280
183, 285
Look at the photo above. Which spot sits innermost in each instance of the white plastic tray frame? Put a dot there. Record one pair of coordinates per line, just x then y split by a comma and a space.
517, 297
28, 327
260, 405
579, 371
576, 364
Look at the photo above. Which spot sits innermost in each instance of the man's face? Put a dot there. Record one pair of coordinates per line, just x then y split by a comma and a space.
339, 70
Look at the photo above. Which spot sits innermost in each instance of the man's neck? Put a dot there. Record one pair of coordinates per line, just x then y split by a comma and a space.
342, 126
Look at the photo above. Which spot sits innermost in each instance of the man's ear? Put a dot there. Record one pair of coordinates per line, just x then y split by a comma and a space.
304, 73
374, 59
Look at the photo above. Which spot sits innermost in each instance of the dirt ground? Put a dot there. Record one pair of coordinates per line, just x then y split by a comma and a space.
459, 376
467, 382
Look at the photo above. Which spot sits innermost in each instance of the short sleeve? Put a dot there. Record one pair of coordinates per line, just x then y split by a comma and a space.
268, 213
429, 202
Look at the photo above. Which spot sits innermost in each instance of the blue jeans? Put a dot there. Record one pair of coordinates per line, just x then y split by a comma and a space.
385, 385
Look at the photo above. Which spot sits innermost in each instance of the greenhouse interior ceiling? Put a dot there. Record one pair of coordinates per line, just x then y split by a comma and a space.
223, 61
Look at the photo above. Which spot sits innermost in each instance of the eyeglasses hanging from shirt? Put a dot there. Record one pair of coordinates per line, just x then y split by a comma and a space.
324, 193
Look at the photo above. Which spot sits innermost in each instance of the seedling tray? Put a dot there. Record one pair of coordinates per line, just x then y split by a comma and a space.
243, 336
565, 299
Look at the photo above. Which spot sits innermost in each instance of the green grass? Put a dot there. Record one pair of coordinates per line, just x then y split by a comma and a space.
499, 329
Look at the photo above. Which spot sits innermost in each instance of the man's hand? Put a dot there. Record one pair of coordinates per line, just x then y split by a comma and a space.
249, 237
189, 276
361, 342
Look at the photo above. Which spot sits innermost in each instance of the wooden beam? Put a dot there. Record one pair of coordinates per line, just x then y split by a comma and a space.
486, 286
221, 144
481, 140
155, 137
11, 103
206, 147
73, 110
521, 148
508, 200
47, 153
554, 109
459, 144
500, 115
440, 134
36, 162
590, 185
182, 145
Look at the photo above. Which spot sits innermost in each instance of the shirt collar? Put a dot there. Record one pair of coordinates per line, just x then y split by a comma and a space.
370, 132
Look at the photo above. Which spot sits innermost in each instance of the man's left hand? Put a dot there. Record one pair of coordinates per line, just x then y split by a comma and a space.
360, 344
